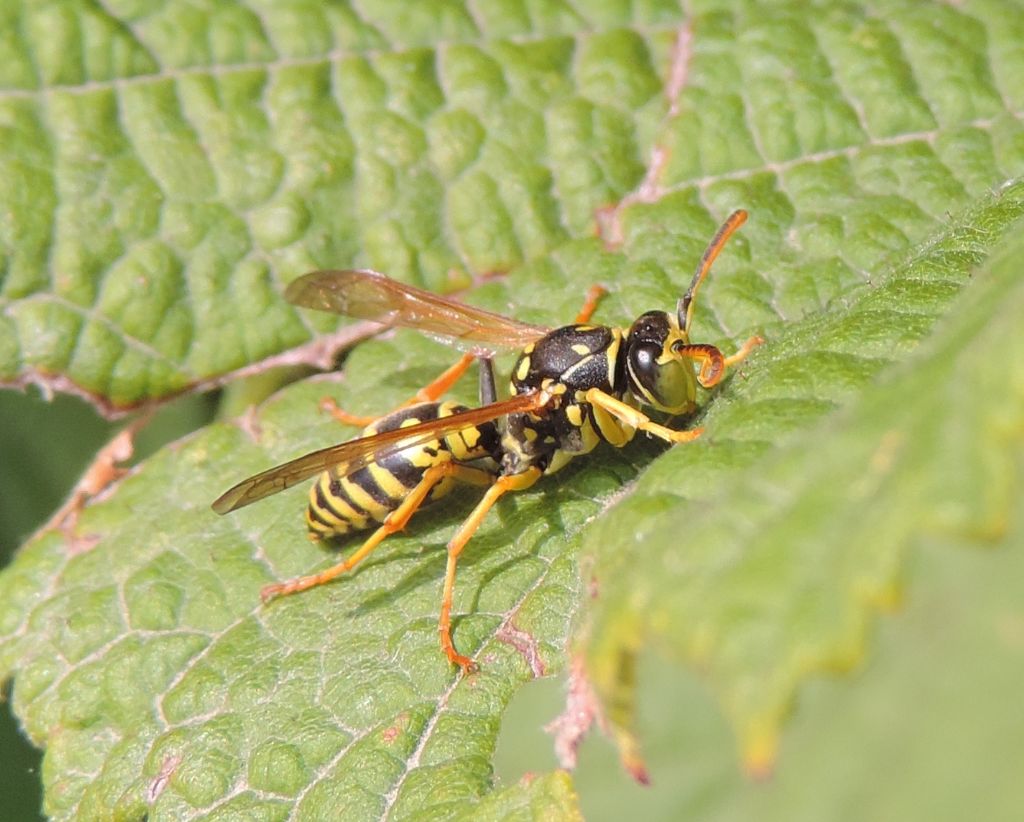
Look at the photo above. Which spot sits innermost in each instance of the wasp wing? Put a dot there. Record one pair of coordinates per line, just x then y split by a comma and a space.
354, 454
369, 295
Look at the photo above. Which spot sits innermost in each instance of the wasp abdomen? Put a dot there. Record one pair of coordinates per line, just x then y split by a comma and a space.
342, 502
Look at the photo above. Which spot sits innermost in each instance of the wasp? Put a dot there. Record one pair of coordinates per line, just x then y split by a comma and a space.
571, 388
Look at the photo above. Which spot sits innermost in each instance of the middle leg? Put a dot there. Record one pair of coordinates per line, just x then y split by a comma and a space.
428, 393
501, 486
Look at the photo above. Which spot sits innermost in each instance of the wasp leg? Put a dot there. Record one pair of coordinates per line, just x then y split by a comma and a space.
713, 363
428, 393
745, 350
637, 419
344, 417
501, 486
395, 521
594, 295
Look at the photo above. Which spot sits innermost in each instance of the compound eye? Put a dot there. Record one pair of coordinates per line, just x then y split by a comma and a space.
644, 363
665, 384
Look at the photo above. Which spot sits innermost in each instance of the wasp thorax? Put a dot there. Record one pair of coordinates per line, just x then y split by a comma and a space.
658, 375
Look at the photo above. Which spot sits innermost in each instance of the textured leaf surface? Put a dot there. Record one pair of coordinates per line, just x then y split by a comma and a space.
929, 728
165, 171
774, 574
338, 700
168, 170
549, 796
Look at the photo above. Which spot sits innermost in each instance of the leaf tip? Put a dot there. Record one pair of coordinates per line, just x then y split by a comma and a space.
630, 756
638, 770
760, 751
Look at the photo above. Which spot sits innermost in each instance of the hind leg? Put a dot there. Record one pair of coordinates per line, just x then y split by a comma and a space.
395, 521
501, 486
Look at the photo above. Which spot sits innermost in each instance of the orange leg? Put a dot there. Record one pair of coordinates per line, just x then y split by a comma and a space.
594, 295
501, 486
744, 350
395, 521
428, 393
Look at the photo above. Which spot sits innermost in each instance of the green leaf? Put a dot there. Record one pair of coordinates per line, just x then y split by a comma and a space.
764, 566
166, 169
336, 699
545, 797
930, 728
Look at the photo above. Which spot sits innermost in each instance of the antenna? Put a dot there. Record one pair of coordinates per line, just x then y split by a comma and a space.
685, 305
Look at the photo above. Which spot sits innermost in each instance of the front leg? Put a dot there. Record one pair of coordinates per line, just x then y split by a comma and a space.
640, 421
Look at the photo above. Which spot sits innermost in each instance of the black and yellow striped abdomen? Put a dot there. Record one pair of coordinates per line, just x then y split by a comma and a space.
342, 502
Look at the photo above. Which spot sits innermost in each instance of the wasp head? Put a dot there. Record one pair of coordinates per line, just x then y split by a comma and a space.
658, 373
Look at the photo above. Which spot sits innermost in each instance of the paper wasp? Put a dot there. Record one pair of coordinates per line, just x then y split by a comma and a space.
571, 388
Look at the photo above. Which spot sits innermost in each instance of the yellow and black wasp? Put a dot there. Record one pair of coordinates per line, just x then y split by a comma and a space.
571, 388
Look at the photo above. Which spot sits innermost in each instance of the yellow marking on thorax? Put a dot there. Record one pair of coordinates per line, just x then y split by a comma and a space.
512, 445
580, 349
523, 368
612, 354
471, 437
